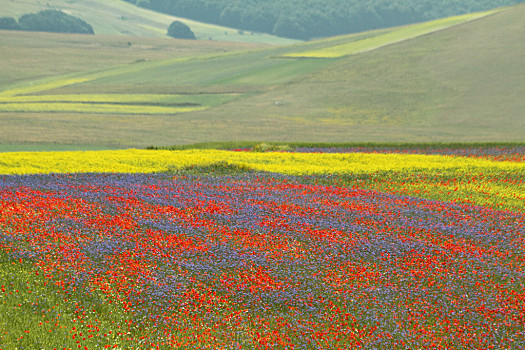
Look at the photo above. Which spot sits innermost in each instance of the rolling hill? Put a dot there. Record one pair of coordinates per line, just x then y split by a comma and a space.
454, 80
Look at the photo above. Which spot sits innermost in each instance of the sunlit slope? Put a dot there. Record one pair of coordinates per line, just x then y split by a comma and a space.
116, 17
463, 83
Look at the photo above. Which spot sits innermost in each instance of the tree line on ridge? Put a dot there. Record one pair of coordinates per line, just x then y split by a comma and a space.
306, 19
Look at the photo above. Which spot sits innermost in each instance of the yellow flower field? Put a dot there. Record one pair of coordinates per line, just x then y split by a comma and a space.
47, 107
147, 161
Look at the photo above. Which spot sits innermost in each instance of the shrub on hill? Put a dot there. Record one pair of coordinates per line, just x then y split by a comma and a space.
8, 23
180, 30
54, 21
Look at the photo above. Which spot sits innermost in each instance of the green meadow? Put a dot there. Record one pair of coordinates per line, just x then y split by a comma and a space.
451, 80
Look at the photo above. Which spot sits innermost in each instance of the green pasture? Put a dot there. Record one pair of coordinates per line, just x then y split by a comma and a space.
457, 84
29, 57
248, 69
111, 73
462, 80
117, 17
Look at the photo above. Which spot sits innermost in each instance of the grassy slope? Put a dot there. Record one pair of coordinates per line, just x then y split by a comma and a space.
462, 83
458, 84
115, 17
331, 49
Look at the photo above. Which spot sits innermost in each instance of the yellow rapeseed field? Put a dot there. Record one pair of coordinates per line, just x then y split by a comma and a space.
148, 161
95, 108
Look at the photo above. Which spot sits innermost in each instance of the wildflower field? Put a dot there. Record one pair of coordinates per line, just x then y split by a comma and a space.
314, 248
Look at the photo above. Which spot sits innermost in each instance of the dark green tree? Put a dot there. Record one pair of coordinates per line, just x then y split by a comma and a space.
8, 23
54, 21
143, 3
290, 28
231, 16
179, 30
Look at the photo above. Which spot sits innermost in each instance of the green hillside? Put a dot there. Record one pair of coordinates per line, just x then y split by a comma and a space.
374, 40
458, 83
116, 17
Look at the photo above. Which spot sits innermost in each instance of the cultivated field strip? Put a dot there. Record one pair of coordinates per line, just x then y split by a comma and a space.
129, 104
34, 97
